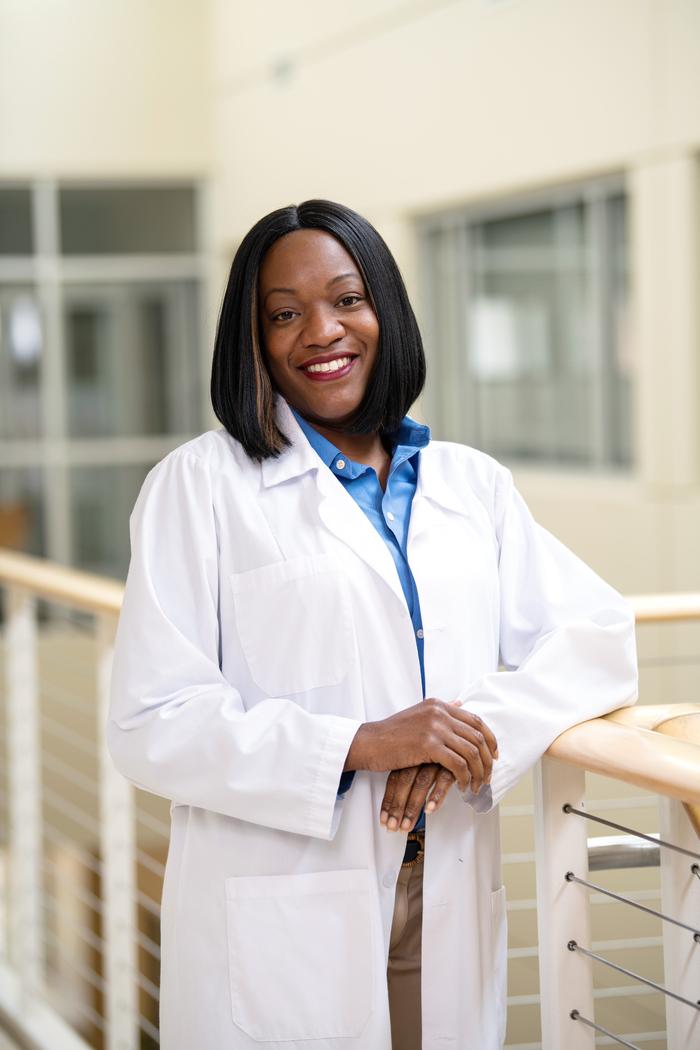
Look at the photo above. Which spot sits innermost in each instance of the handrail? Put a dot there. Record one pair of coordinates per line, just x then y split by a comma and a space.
635, 755
60, 583
100, 594
660, 608
631, 752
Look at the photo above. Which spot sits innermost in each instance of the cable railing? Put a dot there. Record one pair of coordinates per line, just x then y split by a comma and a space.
82, 852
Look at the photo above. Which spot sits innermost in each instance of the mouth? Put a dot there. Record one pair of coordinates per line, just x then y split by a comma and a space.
325, 369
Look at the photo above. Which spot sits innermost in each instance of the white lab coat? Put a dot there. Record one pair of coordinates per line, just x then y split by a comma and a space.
263, 622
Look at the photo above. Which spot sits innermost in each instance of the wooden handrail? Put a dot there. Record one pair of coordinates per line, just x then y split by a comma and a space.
635, 753
624, 745
662, 608
59, 583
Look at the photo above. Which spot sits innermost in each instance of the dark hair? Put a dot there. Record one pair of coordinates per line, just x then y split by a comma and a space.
241, 389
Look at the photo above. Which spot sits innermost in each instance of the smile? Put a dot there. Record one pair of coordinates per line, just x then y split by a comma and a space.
334, 369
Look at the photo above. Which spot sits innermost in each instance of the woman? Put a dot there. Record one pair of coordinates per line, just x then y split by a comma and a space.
307, 665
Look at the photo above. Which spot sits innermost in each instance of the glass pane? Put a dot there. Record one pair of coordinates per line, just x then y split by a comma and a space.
22, 510
15, 222
126, 221
132, 359
535, 230
21, 354
527, 340
102, 498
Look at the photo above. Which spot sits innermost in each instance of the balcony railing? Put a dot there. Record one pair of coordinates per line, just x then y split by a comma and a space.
82, 852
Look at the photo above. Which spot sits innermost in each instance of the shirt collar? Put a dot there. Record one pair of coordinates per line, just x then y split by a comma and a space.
408, 439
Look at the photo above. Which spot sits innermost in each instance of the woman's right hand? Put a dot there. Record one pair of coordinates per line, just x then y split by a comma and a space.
431, 731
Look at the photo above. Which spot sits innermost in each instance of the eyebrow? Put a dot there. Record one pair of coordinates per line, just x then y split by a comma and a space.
293, 291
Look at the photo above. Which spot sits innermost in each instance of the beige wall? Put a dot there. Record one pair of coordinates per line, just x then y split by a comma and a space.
400, 107
108, 88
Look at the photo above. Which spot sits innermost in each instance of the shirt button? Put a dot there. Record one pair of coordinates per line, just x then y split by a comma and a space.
390, 516
340, 464
419, 632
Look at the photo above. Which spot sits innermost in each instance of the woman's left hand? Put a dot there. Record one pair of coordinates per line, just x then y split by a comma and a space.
406, 791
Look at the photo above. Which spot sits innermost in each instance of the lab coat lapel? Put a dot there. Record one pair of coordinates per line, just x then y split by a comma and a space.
436, 539
433, 497
338, 511
346, 520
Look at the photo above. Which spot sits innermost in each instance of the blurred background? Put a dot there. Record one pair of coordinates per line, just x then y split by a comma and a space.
534, 166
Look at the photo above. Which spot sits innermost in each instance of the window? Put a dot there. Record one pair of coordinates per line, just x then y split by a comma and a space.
15, 221
526, 329
101, 372
127, 220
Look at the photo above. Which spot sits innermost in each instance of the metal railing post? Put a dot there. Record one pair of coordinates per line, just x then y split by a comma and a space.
24, 785
562, 908
118, 870
680, 897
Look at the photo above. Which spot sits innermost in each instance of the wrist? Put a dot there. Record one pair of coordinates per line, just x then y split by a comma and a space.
358, 756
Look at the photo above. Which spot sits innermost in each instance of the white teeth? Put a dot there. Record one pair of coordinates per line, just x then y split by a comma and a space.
329, 366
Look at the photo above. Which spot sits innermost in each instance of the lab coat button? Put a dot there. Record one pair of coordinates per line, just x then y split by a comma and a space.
419, 632
389, 879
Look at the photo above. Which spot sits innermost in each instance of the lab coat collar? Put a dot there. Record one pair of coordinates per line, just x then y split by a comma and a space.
337, 509
433, 487
342, 515
294, 461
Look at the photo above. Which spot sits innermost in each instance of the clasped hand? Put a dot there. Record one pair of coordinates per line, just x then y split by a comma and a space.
426, 748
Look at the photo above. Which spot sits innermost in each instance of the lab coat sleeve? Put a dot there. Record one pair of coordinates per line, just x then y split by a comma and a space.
567, 643
176, 726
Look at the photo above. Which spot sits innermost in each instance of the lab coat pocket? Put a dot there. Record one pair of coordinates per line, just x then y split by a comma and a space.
300, 954
294, 622
499, 946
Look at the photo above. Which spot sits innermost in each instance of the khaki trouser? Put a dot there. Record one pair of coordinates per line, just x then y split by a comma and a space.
403, 971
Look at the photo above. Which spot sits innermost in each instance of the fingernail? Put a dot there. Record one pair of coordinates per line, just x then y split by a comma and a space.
405, 824
383, 817
430, 807
393, 823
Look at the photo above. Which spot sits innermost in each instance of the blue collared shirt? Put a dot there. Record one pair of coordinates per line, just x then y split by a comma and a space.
389, 510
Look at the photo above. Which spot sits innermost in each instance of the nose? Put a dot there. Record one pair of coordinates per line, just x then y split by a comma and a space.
323, 327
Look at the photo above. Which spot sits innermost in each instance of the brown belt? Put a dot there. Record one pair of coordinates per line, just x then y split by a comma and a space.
415, 848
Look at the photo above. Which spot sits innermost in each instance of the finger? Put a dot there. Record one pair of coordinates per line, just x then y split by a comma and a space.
443, 783
404, 783
389, 792
469, 751
455, 763
475, 737
425, 779
475, 722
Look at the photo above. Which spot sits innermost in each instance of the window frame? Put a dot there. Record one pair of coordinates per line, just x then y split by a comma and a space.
51, 275
450, 403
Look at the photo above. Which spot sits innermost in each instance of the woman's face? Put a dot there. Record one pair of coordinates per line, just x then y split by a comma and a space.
319, 330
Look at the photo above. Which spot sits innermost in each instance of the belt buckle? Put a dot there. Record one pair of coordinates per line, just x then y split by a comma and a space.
419, 838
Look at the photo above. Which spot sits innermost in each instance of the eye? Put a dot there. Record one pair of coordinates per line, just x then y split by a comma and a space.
283, 315
350, 300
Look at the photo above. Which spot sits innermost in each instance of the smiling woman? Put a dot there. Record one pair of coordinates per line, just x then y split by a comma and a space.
307, 664
315, 276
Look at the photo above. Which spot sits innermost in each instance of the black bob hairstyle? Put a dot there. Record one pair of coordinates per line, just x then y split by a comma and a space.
242, 393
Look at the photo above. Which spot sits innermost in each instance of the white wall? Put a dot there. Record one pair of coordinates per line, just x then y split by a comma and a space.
108, 88
401, 107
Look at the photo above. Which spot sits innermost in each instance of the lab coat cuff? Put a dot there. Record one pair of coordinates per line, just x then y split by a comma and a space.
490, 794
326, 804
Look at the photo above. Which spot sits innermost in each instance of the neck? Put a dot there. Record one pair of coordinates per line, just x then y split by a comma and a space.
363, 448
